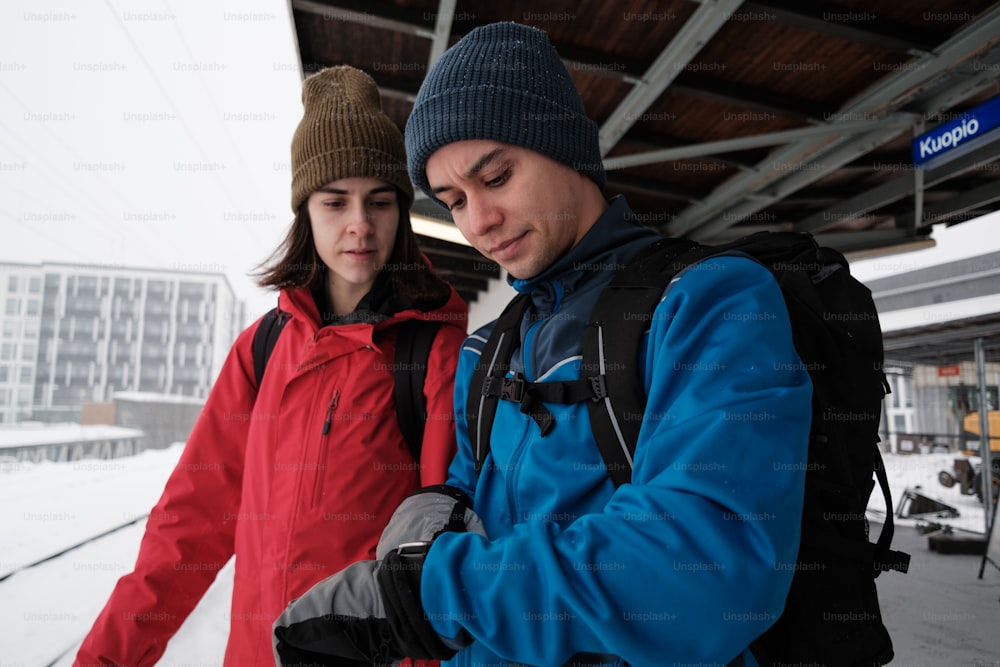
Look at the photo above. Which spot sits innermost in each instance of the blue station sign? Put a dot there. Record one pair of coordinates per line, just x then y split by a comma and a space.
968, 131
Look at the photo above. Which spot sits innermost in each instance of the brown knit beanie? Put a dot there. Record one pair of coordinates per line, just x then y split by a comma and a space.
343, 134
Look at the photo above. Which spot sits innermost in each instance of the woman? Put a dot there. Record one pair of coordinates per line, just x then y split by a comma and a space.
299, 478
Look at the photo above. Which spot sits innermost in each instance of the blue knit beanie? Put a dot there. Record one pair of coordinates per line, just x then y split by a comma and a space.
502, 82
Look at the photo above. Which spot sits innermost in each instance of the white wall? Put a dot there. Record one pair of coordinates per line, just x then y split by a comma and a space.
491, 302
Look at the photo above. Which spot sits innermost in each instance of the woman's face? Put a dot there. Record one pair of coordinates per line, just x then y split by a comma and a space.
354, 223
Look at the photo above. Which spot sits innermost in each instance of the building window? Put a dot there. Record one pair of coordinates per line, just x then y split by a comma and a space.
27, 376
28, 352
13, 306
7, 351
4, 373
12, 284
35, 285
893, 390
899, 423
9, 328
34, 307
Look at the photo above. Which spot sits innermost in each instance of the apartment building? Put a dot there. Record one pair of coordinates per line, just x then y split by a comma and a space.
74, 333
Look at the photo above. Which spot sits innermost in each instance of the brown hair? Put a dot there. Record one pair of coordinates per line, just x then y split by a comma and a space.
295, 263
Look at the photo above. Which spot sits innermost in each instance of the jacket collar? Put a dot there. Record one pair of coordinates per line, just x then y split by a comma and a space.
301, 305
614, 239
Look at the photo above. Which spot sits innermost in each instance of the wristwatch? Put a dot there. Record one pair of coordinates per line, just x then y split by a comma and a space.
411, 549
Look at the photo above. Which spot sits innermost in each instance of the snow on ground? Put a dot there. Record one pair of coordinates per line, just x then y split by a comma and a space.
919, 472
48, 506
46, 610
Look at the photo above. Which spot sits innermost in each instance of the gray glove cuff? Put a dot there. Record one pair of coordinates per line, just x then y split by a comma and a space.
427, 513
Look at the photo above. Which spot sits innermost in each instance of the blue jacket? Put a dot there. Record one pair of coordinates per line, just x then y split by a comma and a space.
693, 559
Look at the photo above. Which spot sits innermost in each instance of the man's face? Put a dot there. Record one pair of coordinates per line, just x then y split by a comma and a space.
517, 207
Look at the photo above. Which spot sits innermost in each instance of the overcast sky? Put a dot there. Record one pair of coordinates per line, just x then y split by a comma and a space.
152, 134
156, 134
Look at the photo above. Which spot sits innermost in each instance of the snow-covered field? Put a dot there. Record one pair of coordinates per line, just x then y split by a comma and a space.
46, 610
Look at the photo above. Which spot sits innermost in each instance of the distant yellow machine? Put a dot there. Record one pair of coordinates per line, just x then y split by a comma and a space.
967, 471
971, 426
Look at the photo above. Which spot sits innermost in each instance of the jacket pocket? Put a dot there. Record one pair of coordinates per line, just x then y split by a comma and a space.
324, 447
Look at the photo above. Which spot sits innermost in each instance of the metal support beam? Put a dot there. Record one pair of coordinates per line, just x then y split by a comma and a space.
796, 175
699, 29
895, 190
918, 186
861, 242
752, 141
891, 93
645, 141
954, 207
944, 344
984, 432
388, 92
966, 83
442, 30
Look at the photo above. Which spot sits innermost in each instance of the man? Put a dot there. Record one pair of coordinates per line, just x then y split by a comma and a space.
537, 558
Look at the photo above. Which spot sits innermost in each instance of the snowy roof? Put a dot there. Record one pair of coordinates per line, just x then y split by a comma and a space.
47, 434
151, 397
937, 313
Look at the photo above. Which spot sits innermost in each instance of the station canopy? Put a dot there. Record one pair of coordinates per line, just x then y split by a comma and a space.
946, 342
725, 118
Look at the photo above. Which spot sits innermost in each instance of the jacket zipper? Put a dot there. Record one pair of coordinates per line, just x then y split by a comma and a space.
514, 466
329, 412
320, 471
519, 451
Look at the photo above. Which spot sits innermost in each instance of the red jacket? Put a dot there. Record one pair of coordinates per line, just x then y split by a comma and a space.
258, 478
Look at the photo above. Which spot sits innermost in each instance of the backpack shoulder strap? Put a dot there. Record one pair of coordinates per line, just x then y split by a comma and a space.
490, 373
611, 346
264, 340
413, 347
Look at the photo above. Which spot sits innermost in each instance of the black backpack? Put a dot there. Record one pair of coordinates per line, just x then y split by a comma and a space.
831, 615
413, 345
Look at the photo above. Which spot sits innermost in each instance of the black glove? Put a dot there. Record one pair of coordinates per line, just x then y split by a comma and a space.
374, 616
371, 611
425, 514
399, 577
295, 657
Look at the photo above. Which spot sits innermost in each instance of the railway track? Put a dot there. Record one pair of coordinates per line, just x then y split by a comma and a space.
67, 452
73, 547
70, 531
63, 650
